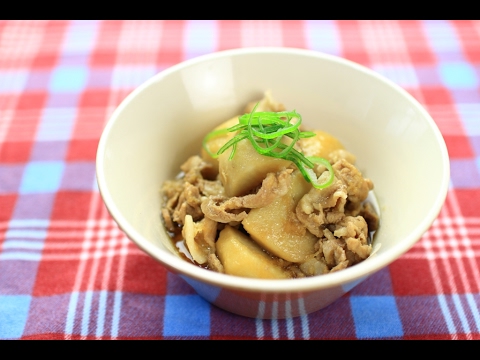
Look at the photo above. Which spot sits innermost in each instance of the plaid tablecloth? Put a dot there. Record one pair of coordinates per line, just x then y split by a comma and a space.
68, 272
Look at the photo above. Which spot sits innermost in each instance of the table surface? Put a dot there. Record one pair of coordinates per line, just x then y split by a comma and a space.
68, 272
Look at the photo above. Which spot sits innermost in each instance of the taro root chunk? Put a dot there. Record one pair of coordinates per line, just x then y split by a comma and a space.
215, 143
241, 256
245, 172
276, 228
321, 145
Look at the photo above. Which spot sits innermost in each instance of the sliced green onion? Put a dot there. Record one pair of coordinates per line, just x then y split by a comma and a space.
265, 130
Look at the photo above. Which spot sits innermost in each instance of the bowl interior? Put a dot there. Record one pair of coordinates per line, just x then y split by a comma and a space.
161, 123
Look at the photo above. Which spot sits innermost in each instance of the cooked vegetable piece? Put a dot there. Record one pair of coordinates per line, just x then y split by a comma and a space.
321, 145
276, 227
244, 173
215, 142
272, 134
241, 256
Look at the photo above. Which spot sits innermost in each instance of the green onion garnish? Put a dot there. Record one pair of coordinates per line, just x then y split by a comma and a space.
265, 130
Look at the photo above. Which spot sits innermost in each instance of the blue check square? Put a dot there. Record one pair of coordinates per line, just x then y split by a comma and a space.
458, 75
68, 78
186, 315
381, 320
42, 177
13, 315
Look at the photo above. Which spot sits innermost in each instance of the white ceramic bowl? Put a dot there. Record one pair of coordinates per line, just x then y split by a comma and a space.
163, 121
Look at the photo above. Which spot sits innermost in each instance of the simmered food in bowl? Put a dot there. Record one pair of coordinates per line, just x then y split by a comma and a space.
266, 199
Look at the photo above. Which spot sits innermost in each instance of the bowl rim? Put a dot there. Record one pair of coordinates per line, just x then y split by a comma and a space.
356, 273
